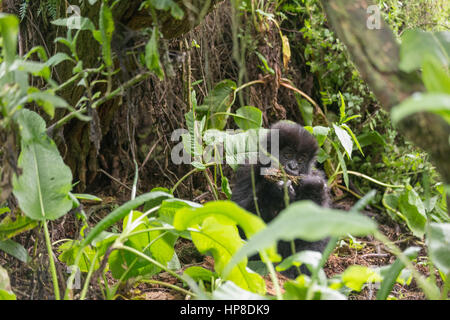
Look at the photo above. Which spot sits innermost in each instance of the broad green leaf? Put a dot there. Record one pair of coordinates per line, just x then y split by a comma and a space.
225, 212
412, 207
320, 133
417, 44
171, 5
170, 206
435, 76
353, 137
222, 240
58, 58
37, 69
157, 244
226, 187
356, 276
15, 249
307, 221
48, 101
200, 273
230, 291
152, 61
342, 163
68, 251
252, 118
39, 50
369, 138
5, 286
10, 228
9, 27
119, 213
306, 109
31, 126
298, 289
439, 245
76, 23
220, 100
345, 139
308, 257
391, 275
44, 185
106, 24
423, 102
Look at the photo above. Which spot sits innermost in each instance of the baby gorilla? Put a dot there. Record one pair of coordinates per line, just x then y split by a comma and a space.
297, 155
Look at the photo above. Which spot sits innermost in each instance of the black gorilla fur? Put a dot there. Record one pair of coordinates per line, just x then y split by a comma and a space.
270, 195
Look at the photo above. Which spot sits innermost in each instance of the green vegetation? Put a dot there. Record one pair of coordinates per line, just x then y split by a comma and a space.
360, 150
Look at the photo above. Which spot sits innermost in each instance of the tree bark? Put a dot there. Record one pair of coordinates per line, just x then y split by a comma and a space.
375, 53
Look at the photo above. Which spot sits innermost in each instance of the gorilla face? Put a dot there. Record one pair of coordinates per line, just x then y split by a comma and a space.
295, 163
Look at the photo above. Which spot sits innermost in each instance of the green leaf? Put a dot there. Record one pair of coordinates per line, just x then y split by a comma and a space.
342, 163
298, 290
308, 257
423, 102
226, 187
345, 139
222, 240
353, 137
252, 118
170, 206
439, 245
48, 101
44, 185
119, 213
199, 273
225, 212
306, 109
307, 221
5, 286
106, 23
230, 291
412, 207
157, 244
356, 276
10, 228
76, 23
220, 100
15, 249
435, 76
58, 58
171, 5
320, 133
152, 61
391, 275
68, 251
9, 27
88, 197
417, 44
369, 138
342, 109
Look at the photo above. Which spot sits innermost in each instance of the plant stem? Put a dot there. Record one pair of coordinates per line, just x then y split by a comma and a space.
88, 277
169, 285
273, 275
361, 175
51, 261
